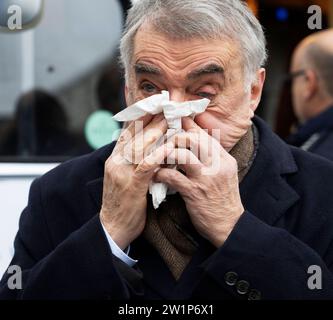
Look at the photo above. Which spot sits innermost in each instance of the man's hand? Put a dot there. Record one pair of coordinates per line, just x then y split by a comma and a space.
126, 185
210, 187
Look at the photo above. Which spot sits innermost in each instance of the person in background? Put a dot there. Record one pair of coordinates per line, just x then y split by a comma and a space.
39, 128
312, 94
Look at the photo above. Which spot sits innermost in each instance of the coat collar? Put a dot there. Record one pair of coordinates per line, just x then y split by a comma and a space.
95, 186
265, 191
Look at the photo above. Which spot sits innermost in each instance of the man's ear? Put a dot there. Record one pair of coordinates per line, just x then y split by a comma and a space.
311, 84
257, 87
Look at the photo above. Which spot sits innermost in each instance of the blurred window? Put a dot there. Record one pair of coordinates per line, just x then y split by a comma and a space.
60, 81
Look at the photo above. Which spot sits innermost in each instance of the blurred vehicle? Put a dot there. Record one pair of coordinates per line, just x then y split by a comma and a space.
55, 70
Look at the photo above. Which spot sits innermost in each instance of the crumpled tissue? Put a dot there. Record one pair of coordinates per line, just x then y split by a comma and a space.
173, 112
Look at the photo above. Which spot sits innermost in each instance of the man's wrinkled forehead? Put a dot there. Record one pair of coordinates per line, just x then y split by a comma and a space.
155, 53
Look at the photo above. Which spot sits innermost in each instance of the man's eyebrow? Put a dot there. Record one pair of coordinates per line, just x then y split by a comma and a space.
208, 69
143, 68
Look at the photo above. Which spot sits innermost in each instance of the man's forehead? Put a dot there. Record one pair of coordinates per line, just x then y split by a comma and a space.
148, 41
156, 53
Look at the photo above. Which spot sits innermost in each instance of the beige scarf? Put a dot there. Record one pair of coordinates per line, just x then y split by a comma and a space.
167, 228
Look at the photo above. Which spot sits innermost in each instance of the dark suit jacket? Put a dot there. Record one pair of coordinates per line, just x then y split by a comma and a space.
287, 227
316, 135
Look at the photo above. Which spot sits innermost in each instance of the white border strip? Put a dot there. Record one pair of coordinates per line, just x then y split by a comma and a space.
25, 169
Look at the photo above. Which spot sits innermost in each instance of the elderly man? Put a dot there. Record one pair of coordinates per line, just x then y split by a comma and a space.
260, 227
312, 89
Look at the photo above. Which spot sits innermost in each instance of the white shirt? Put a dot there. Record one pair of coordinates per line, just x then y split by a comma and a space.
120, 254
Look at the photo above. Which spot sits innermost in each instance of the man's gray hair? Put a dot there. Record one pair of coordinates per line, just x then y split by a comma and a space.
205, 19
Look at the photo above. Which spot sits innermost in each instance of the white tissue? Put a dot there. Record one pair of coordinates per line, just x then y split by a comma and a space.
173, 113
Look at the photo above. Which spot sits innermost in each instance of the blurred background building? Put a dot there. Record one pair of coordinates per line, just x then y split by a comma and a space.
60, 83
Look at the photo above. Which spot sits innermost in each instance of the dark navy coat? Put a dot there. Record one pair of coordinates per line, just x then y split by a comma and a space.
316, 135
286, 230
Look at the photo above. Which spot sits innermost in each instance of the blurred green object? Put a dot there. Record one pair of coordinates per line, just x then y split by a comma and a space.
101, 129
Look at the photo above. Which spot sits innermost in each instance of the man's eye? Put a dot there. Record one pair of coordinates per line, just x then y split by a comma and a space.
149, 88
206, 95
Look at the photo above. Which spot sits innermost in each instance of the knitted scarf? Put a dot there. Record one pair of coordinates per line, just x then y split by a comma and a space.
169, 228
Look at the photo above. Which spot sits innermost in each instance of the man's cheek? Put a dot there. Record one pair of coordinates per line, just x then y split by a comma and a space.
219, 112
227, 130
209, 120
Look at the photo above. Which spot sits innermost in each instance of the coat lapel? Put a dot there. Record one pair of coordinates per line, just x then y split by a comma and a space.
95, 189
265, 191
95, 186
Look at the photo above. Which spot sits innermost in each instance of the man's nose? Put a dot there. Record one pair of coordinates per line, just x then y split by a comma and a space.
178, 95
